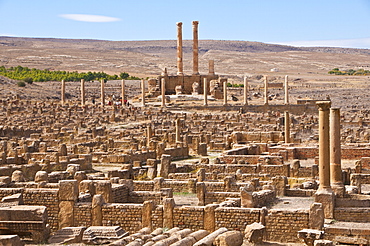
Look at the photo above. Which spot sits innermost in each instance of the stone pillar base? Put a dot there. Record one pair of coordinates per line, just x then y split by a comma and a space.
339, 190
326, 197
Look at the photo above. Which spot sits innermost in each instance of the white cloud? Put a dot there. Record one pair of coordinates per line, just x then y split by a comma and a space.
89, 18
7, 35
361, 43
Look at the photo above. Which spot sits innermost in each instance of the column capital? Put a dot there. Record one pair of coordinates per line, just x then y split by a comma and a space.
179, 24
195, 23
323, 105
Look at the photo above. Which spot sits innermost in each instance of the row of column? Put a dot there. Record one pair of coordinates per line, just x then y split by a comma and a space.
330, 171
102, 92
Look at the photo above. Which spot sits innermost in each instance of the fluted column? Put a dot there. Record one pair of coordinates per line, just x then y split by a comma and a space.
335, 153
82, 92
245, 90
195, 48
179, 49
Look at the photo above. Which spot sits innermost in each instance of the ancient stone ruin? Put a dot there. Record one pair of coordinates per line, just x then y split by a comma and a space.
161, 171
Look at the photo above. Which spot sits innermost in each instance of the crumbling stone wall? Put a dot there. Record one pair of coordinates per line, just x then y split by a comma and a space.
283, 225
82, 214
188, 217
127, 216
352, 214
236, 218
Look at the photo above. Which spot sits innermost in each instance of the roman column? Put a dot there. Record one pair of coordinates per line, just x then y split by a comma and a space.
179, 49
123, 91
211, 67
195, 48
324, 194
287, 127
143, 92
205, 91
286, 88
82, 92
245, 90
102, 96
163, 90
335, 153
178, 130
63, 92
149, 133
225, 93
266, 91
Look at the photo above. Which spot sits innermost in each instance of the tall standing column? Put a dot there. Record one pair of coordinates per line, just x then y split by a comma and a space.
286, 88
245, 90
123, 91
195, 48
163, 89
149, 133
82, 92
63, 92
324, 194
266, 92
335, 153
143, 92
178, 130
102, 95
287, 127
225, 93
211, 67
179, 49
205, 91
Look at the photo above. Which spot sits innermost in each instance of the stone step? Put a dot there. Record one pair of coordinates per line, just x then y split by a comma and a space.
68, 235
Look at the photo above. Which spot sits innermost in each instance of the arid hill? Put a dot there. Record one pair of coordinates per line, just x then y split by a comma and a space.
149, 58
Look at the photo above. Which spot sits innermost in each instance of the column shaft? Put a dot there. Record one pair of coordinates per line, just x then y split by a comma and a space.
123, 91
245, 90
163, 90
335, 148
179, 48
225, 92
287, 127
211, 67
102, 96
266, 92
205, 91
63, 92
82, 92
195, 48
286, 89
143, 92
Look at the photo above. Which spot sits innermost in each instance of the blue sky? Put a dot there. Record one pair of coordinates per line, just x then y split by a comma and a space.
339, 23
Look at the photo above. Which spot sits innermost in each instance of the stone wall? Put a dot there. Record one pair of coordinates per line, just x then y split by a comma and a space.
218, 197
120, 193
82, 214
188, 217
283, 225
127, 216
44, 197
236, 218
352, 214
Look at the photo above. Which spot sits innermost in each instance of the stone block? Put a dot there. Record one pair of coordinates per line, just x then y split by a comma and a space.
68, 190
254, 233
229, 238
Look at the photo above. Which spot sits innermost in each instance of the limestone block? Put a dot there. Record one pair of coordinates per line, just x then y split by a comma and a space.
323, 243
65, 215
209, 217
201, 174
68, 190
10, 240
147, 214
229, 238
96, 210
87, 186
15, 199
254, 233
104, 187
246, 196
316, 217
168, 205
17, 176
327, 199
41, 176
202, 149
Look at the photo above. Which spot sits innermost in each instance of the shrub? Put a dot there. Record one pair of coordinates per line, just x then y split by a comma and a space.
28, 80
21, 84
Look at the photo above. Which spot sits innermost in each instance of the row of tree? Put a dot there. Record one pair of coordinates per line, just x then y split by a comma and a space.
30, 75
336, 71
